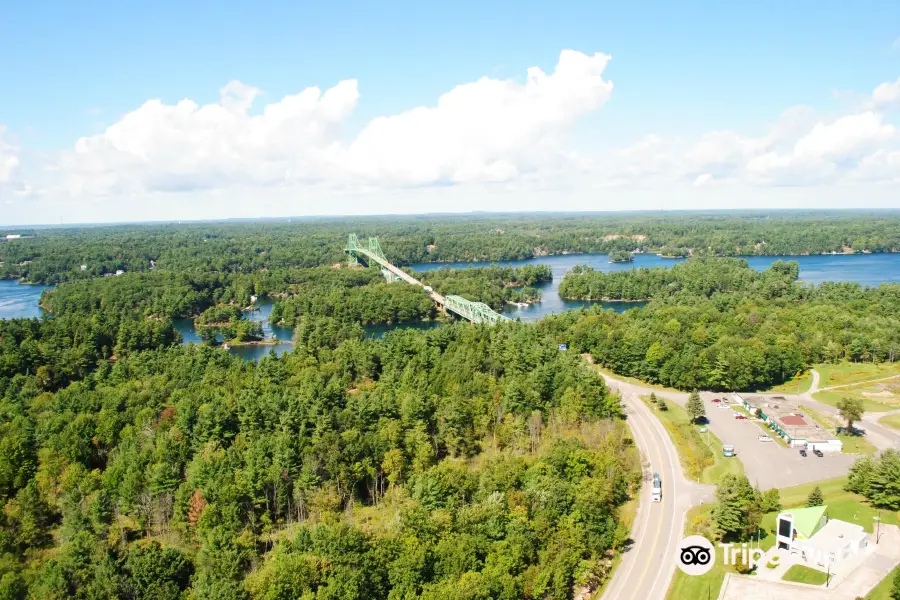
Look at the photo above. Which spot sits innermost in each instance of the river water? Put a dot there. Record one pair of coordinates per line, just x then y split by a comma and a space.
21, 301
867, 269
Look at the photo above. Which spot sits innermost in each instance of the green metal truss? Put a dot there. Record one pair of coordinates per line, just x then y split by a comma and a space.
352, 250
476, 312
375, 248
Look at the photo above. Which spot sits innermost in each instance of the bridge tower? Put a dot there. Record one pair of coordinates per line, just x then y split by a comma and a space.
352, 250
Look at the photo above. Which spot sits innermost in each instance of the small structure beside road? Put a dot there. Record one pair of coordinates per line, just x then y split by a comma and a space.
820, 541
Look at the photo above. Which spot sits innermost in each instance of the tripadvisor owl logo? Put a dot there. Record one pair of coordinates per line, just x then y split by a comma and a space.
696, 555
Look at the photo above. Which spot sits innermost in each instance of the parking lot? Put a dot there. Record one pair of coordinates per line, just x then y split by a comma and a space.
769, 464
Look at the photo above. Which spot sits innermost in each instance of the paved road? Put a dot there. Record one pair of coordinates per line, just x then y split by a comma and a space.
647, 567
882, 437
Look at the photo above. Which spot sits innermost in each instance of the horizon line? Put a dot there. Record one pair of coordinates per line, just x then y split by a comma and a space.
477, 213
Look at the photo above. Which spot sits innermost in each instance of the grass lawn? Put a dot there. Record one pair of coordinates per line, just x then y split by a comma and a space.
842, 505
801, 574
795, 385
876, 397
848, 372
707, 585
890, 421
700, 454
852, 444
882, 591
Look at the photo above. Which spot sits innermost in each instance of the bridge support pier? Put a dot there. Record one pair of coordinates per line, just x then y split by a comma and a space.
388, 276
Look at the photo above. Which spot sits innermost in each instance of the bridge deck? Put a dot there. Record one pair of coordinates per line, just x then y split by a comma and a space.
402, 275
477, 312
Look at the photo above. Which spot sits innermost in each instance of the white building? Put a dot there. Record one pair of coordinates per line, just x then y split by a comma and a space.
820, 541
13, 236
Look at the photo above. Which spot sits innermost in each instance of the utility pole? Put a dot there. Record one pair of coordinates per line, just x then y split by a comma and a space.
877, 527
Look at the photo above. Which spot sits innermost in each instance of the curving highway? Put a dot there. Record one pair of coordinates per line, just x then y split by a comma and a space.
648, 565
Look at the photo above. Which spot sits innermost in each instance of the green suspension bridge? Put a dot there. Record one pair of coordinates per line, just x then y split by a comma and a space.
476, 312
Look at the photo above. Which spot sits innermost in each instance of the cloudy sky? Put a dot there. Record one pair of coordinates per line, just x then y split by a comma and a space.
115, 111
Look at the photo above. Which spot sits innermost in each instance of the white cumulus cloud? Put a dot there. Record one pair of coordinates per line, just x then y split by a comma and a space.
846, 137
486, 131
887, 94
796, 150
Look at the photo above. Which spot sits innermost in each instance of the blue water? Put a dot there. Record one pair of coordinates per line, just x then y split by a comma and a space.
378, 331
18, 301
867, 269
264, 308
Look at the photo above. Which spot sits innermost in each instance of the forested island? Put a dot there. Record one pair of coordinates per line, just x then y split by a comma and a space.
466, 461
718, 324
227, 321
620, 256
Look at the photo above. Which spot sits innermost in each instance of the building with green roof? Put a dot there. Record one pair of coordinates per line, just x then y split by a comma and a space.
799, 523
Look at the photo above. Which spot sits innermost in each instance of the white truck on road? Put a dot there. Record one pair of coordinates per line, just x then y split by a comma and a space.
657, 488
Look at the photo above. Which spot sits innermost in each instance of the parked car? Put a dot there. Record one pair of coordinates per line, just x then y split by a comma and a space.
724, 406
740, 416
803, 452
716, 400
764, 438
818, 453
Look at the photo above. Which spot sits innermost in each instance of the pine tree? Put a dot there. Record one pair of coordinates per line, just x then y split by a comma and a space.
694, 406
196, 506
859, 479
815, 497
771, 500
885, 483
661, 403
736, 512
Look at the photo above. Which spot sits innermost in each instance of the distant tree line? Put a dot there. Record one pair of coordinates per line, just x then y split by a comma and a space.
55, 255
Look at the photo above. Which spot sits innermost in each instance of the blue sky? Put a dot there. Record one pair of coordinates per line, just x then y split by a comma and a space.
680, 70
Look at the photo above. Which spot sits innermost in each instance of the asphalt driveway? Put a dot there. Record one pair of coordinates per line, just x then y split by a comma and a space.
769, 464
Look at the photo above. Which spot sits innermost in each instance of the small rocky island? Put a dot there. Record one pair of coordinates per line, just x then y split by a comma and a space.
621, 256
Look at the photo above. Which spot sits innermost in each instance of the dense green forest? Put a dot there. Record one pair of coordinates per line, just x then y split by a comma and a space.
457, 463
377, 302
718, 324
461, 462
54, 255
495, 286
695, 277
